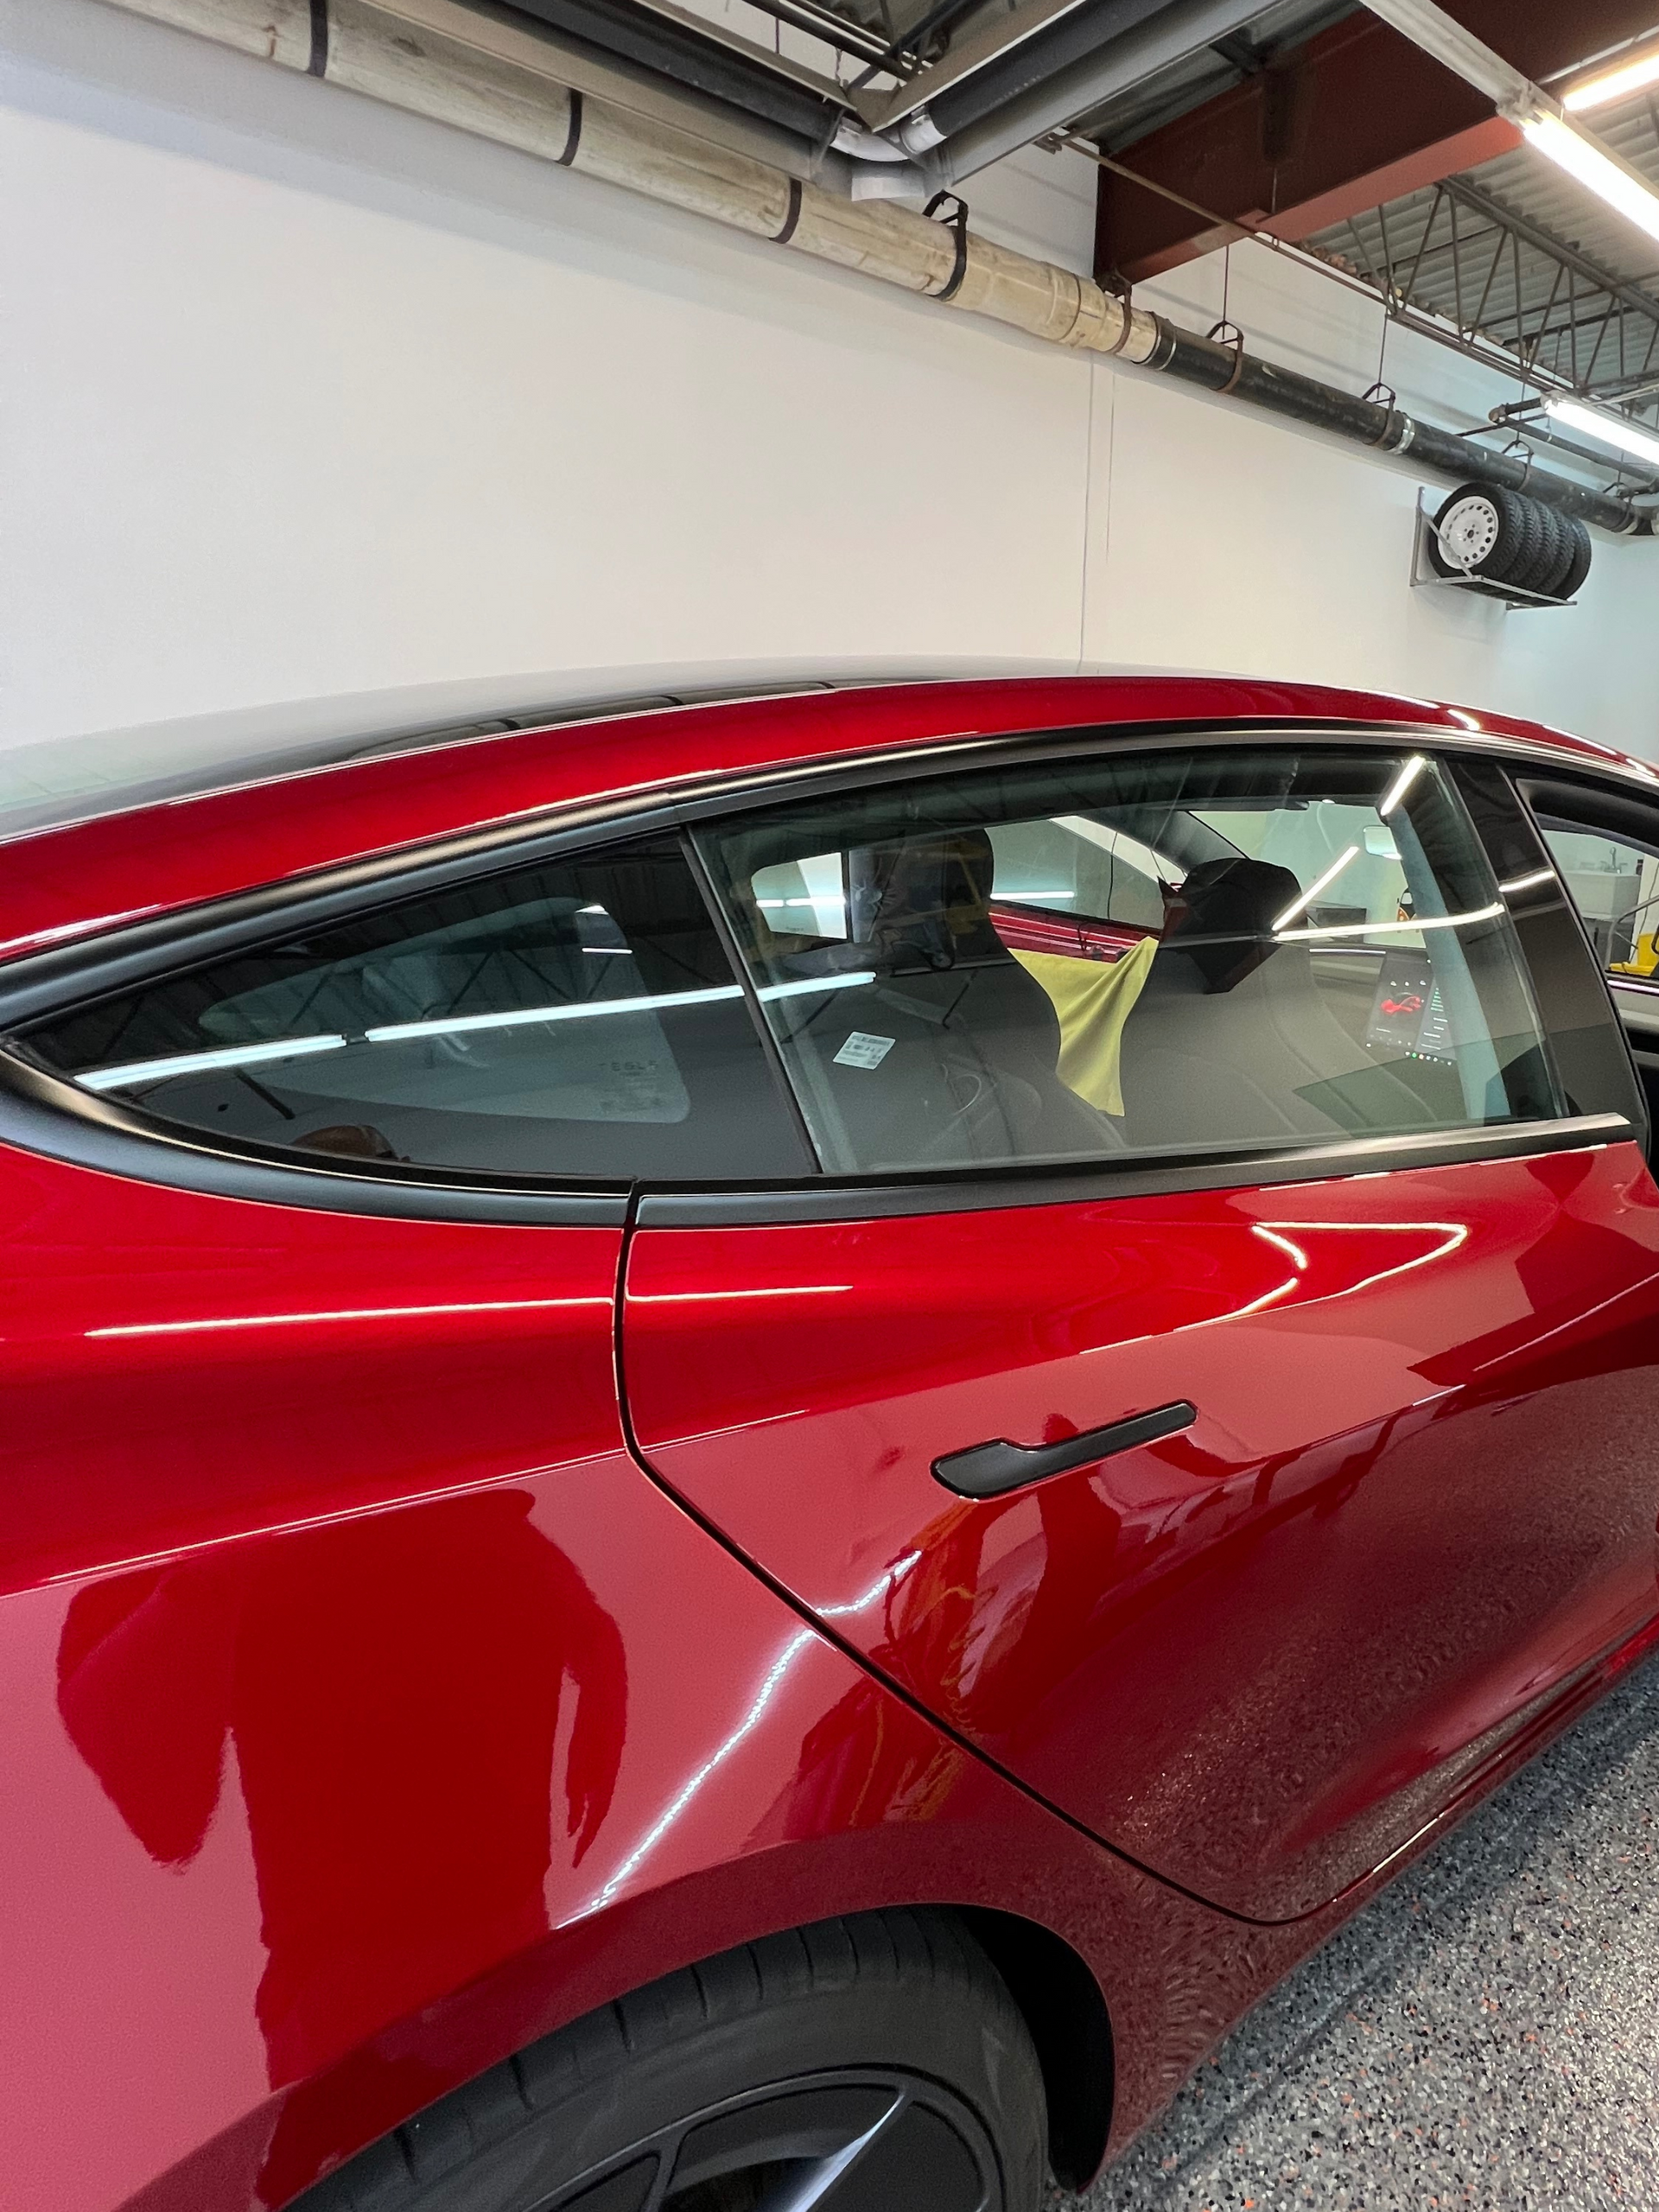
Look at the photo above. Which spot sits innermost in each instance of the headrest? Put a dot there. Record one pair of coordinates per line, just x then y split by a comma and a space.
1233, 900
926, 898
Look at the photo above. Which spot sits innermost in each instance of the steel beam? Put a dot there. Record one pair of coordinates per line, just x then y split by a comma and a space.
1379, 116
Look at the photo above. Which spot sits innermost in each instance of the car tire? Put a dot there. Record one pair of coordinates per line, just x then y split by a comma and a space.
1483, 531
882, 2056
1577, 567
1554, 545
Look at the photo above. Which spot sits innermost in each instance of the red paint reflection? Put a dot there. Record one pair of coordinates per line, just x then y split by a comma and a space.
394, 1739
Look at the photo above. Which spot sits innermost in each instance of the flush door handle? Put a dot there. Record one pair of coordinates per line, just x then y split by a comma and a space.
989, 1469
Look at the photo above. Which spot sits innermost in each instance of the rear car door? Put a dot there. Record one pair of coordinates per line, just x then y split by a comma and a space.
1209, 1374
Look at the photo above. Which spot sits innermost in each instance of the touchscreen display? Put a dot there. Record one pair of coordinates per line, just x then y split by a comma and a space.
1407, 1013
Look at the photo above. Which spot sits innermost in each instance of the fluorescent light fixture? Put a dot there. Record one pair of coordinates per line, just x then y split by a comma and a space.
1529, 882
1634, 75
1308, 897
1396, 929
1594, 165
237, 1055
1402, 783
1610, 429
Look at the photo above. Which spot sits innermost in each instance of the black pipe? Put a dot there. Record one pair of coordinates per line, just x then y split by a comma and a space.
1201, 361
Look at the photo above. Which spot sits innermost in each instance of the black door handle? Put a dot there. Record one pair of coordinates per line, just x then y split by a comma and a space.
987, 1469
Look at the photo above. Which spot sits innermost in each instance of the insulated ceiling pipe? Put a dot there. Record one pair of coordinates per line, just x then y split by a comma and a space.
495, 77
485, 75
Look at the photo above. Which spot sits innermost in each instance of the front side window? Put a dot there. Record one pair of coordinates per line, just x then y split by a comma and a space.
1136, 955
567, 1019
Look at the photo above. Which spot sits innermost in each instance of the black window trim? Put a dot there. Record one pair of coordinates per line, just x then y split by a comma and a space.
48, 1114
876, 1197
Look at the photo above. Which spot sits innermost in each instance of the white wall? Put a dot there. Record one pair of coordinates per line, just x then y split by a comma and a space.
318, 415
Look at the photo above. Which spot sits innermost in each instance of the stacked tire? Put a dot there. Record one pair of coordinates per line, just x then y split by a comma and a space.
1504, 538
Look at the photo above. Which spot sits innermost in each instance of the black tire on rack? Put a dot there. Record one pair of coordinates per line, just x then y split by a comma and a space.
864, 2064
1555, 549
1578, 565
1485, 531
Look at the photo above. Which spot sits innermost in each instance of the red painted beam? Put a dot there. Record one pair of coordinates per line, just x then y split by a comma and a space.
1355, 117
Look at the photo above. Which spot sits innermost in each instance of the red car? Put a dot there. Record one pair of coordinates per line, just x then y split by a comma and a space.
750, 1450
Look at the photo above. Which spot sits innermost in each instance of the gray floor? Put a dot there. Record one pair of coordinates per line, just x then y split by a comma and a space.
1485, 2035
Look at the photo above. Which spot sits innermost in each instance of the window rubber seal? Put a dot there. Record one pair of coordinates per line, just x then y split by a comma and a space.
51, 1116
1082, 1184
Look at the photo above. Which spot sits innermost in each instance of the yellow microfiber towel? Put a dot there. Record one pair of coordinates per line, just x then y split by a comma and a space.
1093, 999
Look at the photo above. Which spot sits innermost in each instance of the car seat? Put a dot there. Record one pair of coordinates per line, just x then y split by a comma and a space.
1231, 1039
950, 1054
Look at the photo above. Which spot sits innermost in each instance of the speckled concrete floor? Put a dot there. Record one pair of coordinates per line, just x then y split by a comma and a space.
1486, 2035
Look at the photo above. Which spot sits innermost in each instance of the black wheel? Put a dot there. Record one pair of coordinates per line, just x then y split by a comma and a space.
861, 2065
1484, 530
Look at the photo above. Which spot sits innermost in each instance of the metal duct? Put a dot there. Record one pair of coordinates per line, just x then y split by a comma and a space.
482, 73
1072, 89
1035, 58
708, 67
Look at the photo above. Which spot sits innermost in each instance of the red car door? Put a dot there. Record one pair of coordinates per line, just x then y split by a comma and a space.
1247, 1469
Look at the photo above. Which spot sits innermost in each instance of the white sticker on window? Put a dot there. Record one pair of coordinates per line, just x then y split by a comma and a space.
863, 1051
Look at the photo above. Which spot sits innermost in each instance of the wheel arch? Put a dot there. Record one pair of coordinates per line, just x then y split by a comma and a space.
1067, 2013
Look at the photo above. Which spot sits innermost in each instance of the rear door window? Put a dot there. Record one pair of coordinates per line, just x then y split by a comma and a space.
569, 1019
1136, 955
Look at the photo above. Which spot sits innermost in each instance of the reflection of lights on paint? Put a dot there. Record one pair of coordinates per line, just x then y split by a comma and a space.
1298, 905
1257, 1304
344, 1313
1294, 1252
1402, 783
1452, 1234
716, 1758
704, 1297
1529, 882
883, 1586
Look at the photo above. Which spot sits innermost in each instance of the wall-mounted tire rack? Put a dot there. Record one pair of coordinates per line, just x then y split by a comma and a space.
1495, 543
